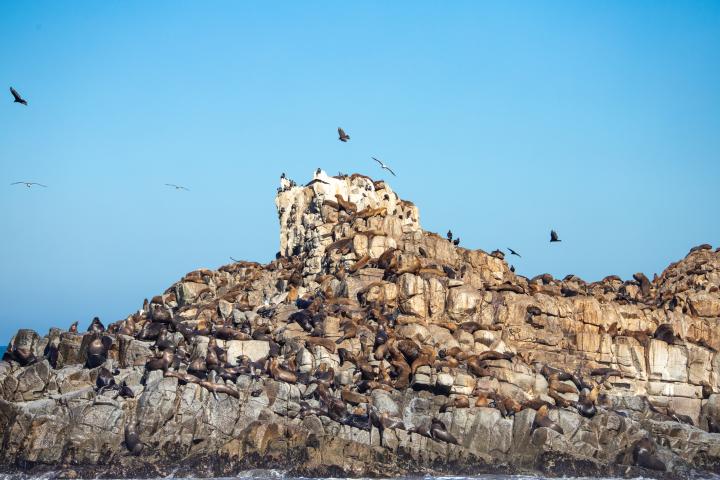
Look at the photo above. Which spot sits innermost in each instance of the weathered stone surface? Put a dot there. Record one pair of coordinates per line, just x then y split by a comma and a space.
278, 365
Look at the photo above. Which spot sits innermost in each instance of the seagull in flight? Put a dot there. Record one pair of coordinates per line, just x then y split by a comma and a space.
384, 167
29, 184
513, 252
177, 187
342, 136
554, 236
18, 98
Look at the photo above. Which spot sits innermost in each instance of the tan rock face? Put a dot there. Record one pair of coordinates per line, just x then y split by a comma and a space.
363, 311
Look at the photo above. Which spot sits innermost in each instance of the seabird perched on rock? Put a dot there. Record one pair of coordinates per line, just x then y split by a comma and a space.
456, 242
554, 236
383, 166
342, 136
17, 97
449, 235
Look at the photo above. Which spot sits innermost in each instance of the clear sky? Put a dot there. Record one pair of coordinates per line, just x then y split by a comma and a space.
503, 120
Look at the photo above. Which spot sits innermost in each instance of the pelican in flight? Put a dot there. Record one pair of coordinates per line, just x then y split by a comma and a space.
29, 184
17, 97
384, 167
177, 187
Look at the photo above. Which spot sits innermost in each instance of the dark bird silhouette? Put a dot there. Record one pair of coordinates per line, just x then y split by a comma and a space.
177, 187
554, 236
342, 136
456, 242
384, 167
449, 235
513, 252
29, 184
234, 260
18, 98
512, 268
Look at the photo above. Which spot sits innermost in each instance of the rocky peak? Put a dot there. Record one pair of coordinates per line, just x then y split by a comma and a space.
370, 346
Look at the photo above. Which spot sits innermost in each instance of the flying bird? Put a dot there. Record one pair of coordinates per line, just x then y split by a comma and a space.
29, 184
384, 167
234, 260
554, 236
342, 136
513, 252
177, 187
18, 98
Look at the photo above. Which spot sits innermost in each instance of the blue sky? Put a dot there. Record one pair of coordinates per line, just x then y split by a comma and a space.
502, 120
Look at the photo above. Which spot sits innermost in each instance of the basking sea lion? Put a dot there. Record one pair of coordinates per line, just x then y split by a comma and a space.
438, 431
160, 363
125, 391
104, 381
542, 420
97, 350
350, 330
132, 441
345, 205
460, 401
281, 374
586, 402
326, 343
353, 398
665, 333
643, 454
362, 262
96, 326
219, 388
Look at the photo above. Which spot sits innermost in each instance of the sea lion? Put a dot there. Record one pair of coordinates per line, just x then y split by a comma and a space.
345, 205
219, 388
104, 381
350, 330
644, 282
362, 262
326, 343
73, 328
542, 420
51, 351
586, 403
665, 333
643, 454
161, 363
281, 374
353, 398
132, 441
125, 391
438, 431
460, 401
97, 350
96, 326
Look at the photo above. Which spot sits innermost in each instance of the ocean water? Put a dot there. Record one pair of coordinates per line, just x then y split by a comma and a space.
279, 475
2, 350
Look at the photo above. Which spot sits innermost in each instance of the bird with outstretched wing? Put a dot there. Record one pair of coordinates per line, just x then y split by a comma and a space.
29, 184
177, 187
17, 97
383, 166
342, 136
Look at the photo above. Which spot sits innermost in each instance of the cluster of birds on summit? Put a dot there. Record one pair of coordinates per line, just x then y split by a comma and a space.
342, 136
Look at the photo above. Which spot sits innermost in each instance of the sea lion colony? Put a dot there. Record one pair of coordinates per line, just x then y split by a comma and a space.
369, 331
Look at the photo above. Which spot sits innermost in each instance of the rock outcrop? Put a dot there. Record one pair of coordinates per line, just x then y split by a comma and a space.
372, 347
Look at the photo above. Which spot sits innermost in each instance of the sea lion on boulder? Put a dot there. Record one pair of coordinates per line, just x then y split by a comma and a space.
543, 421
643, 454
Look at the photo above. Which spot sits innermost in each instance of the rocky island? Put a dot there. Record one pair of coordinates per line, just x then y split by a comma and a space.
372, 347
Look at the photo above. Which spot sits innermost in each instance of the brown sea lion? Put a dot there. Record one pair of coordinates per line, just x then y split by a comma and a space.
643, 454
281, 374
345, 205
362, 262
97, 350
439, 431
543, 421
132, 441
